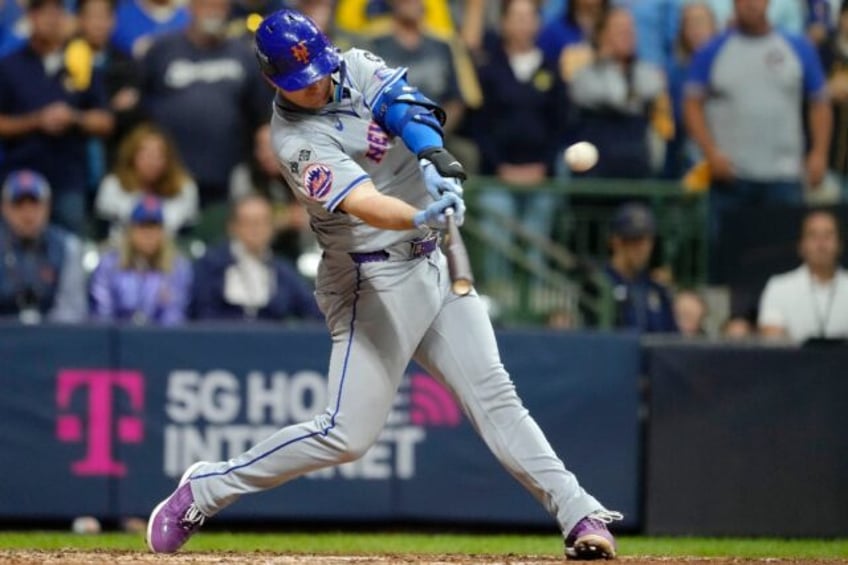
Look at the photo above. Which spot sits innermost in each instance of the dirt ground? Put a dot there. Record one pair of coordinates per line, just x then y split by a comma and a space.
74, 557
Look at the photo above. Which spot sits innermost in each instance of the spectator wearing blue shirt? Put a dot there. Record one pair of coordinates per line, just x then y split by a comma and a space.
146, 280
656, 26
242, 280
41, 273
206, 91
576, 24
49, 106
743, 107
697, 27
12, 27
138, 22
640, 303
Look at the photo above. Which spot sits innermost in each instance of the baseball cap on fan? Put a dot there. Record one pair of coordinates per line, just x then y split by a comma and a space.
23, 184
148, 210
632, 221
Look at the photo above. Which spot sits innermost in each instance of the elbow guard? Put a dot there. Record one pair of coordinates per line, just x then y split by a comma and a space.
400, 104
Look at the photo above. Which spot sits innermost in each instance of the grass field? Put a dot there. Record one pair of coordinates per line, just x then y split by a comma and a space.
432, 544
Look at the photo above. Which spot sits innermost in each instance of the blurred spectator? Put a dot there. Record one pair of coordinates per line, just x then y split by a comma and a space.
786, 15
41, 274
617, 97
834, 54
577, 24
50, 102
96, 20
205, 90
439, 66
241, 279
697, 27
519, 130
363, 16
750, 83
138, 22
146, 281
641, 303
690, 311
291, 221
574, 56
319, 11
812, 300
13, 26
820, 21
737, 328
148, 164
656, 25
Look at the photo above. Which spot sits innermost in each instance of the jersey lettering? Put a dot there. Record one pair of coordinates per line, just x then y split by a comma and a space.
378, 142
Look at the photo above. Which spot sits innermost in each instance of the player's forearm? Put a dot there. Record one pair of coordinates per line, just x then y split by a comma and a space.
381, 211
12, 126
821, 125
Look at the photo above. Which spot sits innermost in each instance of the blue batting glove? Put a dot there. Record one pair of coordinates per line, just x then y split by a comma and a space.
433, 216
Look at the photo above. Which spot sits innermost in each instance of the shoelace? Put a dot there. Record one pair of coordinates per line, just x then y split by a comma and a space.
193, 518
606, 516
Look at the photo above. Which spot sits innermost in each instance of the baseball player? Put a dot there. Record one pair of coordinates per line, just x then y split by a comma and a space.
363, 151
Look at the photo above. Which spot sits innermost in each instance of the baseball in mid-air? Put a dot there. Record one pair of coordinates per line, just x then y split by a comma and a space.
581, 156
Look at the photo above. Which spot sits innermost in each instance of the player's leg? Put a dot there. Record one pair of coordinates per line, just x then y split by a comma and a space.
367, 361
460, 349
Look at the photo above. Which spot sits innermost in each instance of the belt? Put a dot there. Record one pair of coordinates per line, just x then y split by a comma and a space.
416, 248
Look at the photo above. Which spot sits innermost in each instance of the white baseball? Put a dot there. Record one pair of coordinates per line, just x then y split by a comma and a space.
581, 156
86, 525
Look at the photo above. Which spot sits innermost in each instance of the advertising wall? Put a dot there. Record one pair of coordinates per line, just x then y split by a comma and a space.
103, 421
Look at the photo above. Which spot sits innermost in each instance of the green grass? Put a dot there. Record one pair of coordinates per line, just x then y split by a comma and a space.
363, 543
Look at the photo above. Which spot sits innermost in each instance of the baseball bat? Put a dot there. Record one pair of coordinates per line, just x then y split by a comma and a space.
459, 266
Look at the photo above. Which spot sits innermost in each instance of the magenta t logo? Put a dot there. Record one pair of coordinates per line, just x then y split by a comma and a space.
102, 423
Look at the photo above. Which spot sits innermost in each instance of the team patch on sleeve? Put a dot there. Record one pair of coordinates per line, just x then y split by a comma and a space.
318, 181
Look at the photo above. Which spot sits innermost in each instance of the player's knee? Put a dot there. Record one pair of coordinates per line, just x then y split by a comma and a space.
354, 448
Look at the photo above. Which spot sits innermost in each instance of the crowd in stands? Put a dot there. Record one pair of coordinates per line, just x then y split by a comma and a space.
126, 122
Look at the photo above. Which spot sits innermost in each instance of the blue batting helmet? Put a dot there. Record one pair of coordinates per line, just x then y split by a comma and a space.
292, 51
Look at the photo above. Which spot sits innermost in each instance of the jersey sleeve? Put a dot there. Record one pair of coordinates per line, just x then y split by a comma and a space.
698, 81
370, 74
815, 85
319, 170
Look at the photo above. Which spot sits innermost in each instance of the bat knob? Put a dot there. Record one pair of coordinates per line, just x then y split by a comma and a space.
461, 287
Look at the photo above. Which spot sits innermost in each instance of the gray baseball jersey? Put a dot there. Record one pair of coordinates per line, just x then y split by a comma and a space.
383, 309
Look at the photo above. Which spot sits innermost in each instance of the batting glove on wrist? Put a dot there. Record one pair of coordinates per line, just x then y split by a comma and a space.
443, 173
433, 216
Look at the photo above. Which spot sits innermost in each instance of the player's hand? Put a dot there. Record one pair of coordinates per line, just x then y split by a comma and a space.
816, 168
433, 216
443, 173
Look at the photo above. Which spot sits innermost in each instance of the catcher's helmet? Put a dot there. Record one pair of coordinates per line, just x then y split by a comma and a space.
292, 51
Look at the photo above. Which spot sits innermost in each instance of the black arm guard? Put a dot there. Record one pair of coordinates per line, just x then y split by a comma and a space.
446, 164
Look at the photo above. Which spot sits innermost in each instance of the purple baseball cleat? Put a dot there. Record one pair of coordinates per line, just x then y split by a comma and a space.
590, 538
176, 518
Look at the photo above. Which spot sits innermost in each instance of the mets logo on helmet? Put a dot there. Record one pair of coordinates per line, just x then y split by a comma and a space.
300, 52
318, 180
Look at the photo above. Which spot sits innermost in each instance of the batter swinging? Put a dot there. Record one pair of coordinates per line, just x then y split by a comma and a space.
363, 151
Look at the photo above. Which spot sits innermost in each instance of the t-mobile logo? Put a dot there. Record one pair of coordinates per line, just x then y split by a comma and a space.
102, 423
432, 404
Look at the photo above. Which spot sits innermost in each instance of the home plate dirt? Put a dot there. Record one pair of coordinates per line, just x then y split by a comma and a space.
75, 557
